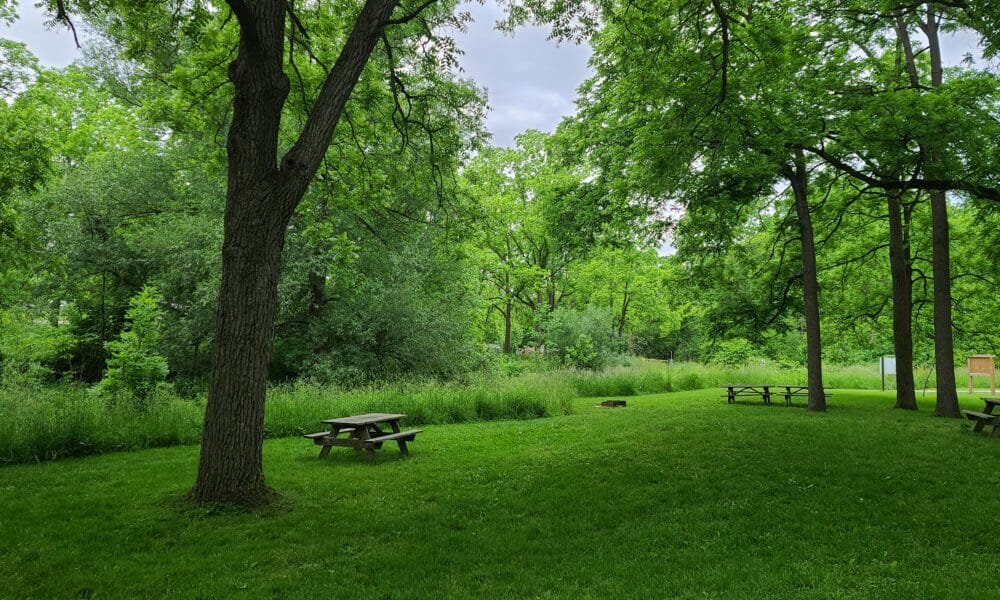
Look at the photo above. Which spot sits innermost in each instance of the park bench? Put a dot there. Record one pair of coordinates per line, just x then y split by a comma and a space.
363, 433
986, 417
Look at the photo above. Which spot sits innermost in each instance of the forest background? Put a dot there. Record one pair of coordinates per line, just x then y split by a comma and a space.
421, 253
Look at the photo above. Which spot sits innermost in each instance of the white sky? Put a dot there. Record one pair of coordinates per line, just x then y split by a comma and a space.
531, 81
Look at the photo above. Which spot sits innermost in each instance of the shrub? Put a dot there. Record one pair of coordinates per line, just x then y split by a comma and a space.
28, 348
135, 367
580, 338
734, 353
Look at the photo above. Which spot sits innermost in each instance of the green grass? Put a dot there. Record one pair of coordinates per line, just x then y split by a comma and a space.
678, 495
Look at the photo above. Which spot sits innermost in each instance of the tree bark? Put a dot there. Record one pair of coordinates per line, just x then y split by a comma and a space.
946, 404
508, 309
260, 198
902, 307
230, 469
798, 176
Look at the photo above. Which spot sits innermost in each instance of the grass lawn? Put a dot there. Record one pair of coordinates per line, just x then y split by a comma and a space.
678, 495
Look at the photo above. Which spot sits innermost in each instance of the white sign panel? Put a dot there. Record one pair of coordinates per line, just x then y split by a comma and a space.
889, 365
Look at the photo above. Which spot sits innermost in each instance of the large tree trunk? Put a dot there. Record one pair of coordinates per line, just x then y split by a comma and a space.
260, 199
230, 468
798, 176
944, 347
902, 299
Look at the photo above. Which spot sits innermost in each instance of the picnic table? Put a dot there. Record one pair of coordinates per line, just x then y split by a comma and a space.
766, 392
986, 417
362, 432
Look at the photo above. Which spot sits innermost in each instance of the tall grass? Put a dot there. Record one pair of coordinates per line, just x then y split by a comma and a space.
49, 423
294, 409
649, 377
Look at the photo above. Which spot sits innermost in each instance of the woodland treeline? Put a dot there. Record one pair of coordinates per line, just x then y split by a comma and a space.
793, 181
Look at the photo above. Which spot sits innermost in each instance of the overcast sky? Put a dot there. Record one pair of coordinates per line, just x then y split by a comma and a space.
531, 81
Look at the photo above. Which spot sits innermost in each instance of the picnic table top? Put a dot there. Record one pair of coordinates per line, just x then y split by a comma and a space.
367, 419
764, 385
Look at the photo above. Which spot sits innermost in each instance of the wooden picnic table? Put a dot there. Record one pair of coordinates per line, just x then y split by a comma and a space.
766, 392
363, 432
986, 417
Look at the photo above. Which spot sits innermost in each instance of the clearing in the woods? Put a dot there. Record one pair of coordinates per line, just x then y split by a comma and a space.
677, 495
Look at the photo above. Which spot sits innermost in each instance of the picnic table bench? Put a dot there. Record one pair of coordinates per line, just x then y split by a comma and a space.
986, 417
766, 392
362, 432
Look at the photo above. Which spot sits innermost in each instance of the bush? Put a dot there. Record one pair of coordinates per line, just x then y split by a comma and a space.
734, 353
28, 348
135, 367
580, 338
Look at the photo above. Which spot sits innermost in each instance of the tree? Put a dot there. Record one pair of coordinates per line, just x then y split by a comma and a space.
518, 197
266, 180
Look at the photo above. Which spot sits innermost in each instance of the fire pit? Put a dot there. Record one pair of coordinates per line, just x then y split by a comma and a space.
613, 404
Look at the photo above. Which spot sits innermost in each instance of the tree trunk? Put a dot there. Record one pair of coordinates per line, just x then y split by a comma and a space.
944, 347
799, 178
262, 193
624, 313
317, 293
230, 468
539, 303
508, 308
902, 299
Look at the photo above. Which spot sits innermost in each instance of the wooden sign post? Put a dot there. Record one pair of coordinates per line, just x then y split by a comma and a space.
982, 364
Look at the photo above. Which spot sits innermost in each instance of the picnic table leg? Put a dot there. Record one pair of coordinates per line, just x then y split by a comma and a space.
730, 395
402, 443
325, 451
767, 395
979, 426
364, 436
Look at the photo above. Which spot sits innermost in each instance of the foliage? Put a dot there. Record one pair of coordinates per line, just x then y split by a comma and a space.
580, 338
734, 353
29, 348
135, 366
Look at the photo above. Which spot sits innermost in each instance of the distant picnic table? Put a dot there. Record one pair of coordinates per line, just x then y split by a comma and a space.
986, 417
363, 432
766, 392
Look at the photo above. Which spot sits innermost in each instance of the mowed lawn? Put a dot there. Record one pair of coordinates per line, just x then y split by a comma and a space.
678, 495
